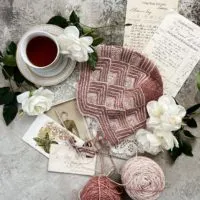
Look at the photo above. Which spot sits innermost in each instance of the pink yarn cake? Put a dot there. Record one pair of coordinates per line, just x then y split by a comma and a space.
117, 92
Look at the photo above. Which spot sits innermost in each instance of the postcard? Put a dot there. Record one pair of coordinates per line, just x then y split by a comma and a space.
145, 17
60, 160
52, 140
175, 49
44, 132
68, 115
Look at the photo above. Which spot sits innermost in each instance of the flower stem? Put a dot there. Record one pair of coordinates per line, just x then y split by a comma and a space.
108, 26
11, 85
195, 114
9, 78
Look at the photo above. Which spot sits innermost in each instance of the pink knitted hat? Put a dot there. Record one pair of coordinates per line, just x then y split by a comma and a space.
117, 92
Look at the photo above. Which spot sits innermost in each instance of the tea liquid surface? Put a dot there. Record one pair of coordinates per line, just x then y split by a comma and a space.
41, 51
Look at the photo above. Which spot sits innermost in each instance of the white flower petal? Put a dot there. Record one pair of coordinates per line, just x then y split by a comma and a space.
65, 43
166, 138
153, 123
38, 91
44, 92
86, 40
166, 101
181, 111
71, 31
175, 142
76, 47
154, 109
23, 97
171, 122
141, 136
40, 101
149, 142
90, 50
153, 139
165, 114
81, 56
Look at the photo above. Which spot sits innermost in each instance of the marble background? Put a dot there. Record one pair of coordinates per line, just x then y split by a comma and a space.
23, 171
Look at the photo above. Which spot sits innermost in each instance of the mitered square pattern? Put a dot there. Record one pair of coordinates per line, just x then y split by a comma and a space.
117, 92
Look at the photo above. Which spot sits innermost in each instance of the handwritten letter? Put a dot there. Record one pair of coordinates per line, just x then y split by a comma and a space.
145, 17
175, 48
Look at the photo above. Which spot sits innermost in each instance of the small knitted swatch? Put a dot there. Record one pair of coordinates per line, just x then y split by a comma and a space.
143, 178
117, 91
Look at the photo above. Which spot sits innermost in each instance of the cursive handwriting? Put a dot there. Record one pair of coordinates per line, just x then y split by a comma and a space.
137, 10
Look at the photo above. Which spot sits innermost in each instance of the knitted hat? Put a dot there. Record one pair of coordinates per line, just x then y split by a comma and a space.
117, 92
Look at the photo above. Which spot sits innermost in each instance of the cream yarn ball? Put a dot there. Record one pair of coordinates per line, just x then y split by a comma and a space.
143, 178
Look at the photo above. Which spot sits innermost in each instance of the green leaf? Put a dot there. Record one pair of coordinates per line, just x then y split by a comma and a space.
188, 134
47, 146
39, 141
87, 30
4, 90
74, 18
198, 81
18, 77
128, 24
6, 96
10, 112
175, 153
30, 83
46, 136
58, 21
97, 41
90, 32
9, 60
176, 101
92, 60
11, 49
1, 56
186, 148
190, 122
8, 71
193, 109
44, 143
54, 142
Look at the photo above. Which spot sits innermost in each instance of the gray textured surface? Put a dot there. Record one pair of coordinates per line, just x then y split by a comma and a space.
23, 171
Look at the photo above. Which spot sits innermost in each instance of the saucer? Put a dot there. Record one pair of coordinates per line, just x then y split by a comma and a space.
46, 77
58, 68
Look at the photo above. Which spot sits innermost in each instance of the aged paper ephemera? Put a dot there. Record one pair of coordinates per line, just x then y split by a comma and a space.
175, 49
145, 17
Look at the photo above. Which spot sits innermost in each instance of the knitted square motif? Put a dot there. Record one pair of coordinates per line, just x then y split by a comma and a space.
117, 92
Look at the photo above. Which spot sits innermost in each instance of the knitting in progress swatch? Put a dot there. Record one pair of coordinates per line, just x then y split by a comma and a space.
117, 92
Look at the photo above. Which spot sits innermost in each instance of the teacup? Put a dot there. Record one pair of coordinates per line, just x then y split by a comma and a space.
40, 50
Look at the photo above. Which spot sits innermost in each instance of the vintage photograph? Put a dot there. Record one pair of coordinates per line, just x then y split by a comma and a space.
68, 115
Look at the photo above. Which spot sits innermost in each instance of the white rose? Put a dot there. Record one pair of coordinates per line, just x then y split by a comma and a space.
154, 142
149, 142
37, 102
76, 48
165, 114
167, 139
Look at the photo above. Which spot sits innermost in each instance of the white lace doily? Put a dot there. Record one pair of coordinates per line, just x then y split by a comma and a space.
66, 90
125, 150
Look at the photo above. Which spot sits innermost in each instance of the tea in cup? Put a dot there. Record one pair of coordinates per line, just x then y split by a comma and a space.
40, 50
